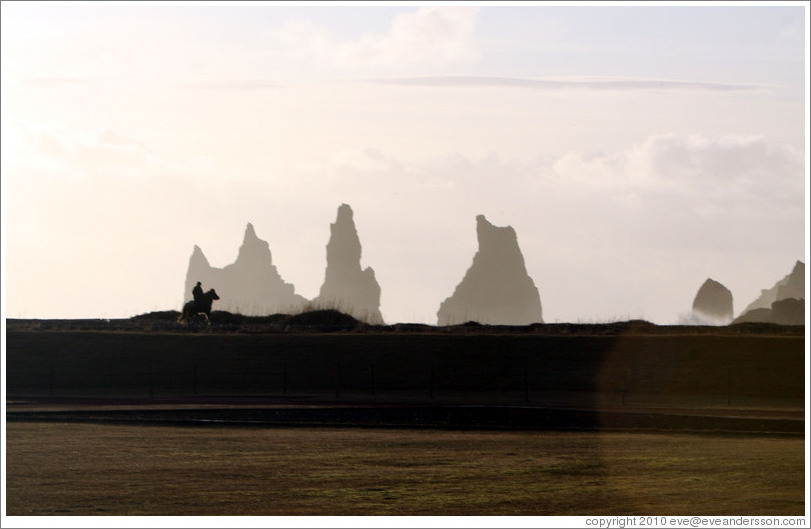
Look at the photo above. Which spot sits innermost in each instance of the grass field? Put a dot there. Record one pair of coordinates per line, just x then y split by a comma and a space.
95, 469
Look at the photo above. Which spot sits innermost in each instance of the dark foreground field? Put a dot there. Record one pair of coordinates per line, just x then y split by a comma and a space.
92, 469
307, 417
593, 366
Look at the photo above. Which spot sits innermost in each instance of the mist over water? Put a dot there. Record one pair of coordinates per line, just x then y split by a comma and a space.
697, 318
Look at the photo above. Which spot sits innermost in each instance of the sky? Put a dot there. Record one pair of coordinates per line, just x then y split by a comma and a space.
636, 150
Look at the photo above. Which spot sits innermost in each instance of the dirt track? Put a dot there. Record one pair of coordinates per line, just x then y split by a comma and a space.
432, 417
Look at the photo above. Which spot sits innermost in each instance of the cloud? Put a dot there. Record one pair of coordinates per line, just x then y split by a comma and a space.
431, 36
698, 183
247, 84
52, 82
726, 159
57, 151
563, 84
744, 177
704, 175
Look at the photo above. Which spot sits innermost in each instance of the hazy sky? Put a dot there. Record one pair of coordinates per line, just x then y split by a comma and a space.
636, 151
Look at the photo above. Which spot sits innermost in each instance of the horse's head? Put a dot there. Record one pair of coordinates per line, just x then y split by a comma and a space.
213, 294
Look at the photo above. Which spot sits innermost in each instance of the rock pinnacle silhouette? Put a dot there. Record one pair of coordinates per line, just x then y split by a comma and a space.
348, 288
251, 285
496, 290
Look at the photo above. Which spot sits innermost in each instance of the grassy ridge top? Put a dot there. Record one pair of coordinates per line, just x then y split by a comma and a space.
334, 321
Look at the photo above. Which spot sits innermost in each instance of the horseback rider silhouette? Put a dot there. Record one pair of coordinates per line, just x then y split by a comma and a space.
197, 293
200, 305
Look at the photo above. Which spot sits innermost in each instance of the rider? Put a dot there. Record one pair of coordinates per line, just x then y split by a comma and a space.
197, 292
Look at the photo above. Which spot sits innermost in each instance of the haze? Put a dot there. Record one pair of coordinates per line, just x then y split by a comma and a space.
636, 151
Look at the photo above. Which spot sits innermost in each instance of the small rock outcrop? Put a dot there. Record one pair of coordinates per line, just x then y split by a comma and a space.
754, 316
789, 311
714, 301
496, 290
251, 285
347, 287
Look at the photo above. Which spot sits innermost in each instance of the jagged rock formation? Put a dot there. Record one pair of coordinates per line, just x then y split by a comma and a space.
348, 288
496, 290
251, 285
789, 311
714, 301
784, 303
791, 286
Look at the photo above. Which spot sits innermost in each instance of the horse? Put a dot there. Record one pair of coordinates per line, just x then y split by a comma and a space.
195, 307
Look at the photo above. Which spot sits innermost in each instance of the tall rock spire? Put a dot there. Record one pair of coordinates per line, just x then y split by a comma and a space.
347, 287
253, 249
496, 289
198, 270
251, 285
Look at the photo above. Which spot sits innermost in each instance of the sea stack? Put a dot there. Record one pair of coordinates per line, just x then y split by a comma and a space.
251, 285
791, 286
783, 304
347, 287
714, 301
496, 290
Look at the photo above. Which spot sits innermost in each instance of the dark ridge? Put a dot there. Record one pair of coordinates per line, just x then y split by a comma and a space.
336, 321
759, 327
408, 327
230, 318
222, 317
324, 319
163, 315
